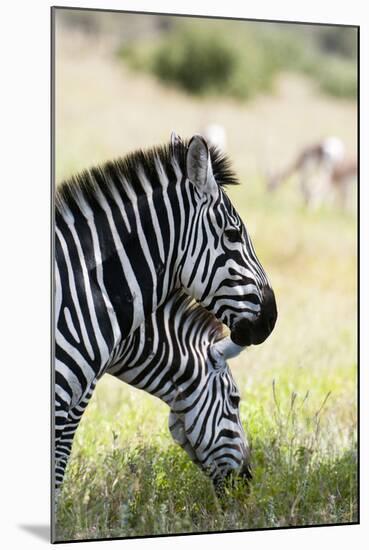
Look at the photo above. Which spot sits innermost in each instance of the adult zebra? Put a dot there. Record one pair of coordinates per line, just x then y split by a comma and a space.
180, 355
130, 233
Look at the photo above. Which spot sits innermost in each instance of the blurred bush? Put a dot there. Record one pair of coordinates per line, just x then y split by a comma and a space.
205, 59
336, 40
200, 62
337, 78
241, 59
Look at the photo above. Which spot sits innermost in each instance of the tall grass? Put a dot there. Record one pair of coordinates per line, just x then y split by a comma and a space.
146, 485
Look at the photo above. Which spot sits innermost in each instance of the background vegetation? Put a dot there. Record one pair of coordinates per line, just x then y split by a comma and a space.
126, 476
242, 59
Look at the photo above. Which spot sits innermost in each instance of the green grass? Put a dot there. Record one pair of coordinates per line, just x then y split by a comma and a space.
127, 478
142, 484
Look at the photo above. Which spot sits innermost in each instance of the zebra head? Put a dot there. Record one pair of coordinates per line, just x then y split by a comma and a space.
206, 423
219, 267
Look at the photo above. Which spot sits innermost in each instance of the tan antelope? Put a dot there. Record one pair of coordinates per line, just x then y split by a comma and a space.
343, 178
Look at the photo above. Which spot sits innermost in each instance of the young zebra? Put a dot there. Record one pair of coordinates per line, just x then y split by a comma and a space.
130, 233
179, 355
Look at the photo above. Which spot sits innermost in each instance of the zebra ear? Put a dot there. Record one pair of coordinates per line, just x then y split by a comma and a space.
198, 165
175, 140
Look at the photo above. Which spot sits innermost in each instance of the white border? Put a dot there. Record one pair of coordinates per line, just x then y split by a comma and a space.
25, 285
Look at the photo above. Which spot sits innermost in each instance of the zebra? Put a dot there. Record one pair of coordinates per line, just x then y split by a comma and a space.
179, 354
131, 232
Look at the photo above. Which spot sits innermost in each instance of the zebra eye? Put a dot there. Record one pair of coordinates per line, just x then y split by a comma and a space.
233, 235
235, 400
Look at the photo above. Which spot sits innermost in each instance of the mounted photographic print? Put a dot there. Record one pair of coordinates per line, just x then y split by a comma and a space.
205, 268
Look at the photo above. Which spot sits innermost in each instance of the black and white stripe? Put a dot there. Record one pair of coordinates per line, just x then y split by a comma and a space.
179, 355
130, 233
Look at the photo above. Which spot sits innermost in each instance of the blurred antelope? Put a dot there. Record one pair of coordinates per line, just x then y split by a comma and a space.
343, 177
321, 168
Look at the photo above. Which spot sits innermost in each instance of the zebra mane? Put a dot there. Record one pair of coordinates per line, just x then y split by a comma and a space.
101, 177
214, 327
197, 315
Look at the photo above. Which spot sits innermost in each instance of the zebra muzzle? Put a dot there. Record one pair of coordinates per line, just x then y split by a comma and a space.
231, 479
247, 333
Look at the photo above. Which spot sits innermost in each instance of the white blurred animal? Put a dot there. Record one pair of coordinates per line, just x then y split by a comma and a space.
215, 135
322, 168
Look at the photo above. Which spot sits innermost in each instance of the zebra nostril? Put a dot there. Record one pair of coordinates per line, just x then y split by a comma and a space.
241, 333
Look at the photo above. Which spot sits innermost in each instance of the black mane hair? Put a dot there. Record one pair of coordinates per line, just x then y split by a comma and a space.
88, 181
197, 314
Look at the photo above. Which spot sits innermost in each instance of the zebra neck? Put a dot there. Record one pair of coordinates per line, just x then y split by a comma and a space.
127, 245
168, 353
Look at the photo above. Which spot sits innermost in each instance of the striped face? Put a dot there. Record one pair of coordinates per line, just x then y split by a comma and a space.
207, 425
220, 268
